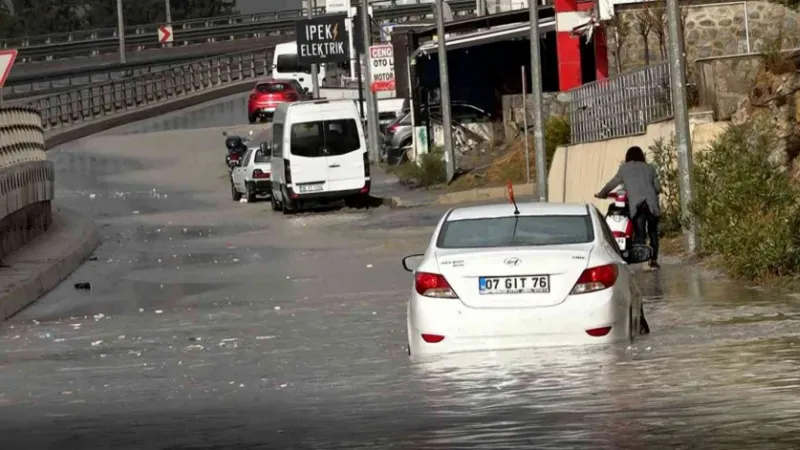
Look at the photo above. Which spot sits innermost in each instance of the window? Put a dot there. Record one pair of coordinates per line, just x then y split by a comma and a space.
277, 140
246, 159
606, 232
385, 116
260, 157
325, 138
289, 63
297, 86
269, 88
466, 112
516, 231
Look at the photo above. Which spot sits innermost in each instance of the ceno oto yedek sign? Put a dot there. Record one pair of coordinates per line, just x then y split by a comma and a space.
322, 40
381, 59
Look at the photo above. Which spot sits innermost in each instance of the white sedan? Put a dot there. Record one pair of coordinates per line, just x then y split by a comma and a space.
546, 274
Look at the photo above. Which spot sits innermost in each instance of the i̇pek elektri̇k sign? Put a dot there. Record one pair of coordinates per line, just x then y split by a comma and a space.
322, 40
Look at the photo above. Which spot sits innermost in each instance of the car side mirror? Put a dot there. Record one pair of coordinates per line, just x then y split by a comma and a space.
638, 254
411, 262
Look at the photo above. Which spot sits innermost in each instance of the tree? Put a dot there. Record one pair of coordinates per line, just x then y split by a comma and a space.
35, 17
103, 13
8, 22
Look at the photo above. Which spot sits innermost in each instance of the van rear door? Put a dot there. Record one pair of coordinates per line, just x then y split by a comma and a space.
346, 154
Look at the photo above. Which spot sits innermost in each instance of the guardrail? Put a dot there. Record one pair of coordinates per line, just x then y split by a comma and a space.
620, 106
142, 37
26, 178
146, 89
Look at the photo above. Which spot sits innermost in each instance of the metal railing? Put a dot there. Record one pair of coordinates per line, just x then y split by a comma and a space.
620, 106
103, 99
26, 178
199, 31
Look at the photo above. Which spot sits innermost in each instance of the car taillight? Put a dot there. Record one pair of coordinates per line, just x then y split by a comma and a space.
433, 285
258, 173
596, 279
392, 128
253, 96
287, 171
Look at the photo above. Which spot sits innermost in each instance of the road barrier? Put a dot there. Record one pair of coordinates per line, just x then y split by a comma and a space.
97, 100
26, 179
199, 31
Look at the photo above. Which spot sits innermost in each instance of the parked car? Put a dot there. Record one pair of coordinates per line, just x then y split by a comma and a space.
495, 277
398, 134
318, 155
253, 176
267, 95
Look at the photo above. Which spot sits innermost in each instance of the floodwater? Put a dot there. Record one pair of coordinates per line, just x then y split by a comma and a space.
225, 325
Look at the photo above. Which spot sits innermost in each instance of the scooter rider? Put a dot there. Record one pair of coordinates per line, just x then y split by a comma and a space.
641, 182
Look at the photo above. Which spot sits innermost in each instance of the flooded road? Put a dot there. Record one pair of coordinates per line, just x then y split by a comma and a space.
213, 324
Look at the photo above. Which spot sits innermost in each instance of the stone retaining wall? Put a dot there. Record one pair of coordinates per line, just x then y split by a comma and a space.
637, 35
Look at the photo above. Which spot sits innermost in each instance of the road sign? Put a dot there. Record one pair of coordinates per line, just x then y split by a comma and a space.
322, 40
165, 34
381, 58
337, 6
7, 58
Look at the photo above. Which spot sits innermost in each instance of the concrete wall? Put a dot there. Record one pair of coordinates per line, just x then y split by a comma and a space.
26, 179
579, 171
710, 29
555, 104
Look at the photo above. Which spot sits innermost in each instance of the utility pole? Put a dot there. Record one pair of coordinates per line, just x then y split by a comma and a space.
480, 8
444, 95
121, 32
314, 67
538, 102
372, 113
683, 138
168, 17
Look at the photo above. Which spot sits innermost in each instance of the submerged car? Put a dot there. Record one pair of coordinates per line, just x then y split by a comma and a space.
496, 277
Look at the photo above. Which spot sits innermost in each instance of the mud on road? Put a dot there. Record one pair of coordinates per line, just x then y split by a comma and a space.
217, 324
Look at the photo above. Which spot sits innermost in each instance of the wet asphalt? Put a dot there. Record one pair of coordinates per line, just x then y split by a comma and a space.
219, 325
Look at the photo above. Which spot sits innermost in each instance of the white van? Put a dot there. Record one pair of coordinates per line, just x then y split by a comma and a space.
319, 155
285, 66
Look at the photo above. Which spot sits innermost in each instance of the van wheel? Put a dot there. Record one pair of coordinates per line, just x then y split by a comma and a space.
235, 195
273, 202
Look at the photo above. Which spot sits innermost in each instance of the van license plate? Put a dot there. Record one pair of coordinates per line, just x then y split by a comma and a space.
532, 284
310, 187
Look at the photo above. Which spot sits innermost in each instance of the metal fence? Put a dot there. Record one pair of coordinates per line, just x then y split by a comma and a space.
199, 31
622, 105
103, 99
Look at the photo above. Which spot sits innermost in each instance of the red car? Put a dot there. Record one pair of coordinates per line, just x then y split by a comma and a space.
267, 95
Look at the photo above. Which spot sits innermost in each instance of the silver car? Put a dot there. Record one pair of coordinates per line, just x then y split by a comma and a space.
398, 135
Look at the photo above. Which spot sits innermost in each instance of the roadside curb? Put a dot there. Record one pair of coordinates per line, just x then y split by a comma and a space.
52, 269
454, 198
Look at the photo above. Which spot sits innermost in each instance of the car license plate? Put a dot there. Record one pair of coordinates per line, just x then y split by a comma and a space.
621, 243
529, 284
310, 187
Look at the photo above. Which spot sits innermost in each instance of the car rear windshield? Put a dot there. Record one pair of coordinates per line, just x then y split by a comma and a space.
516, 231
325, 138
260, 157
267, 88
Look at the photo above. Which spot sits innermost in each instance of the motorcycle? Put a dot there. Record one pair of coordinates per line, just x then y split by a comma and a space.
618, 219
236, 148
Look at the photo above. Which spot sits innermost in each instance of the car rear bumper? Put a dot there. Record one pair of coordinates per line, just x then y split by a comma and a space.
476, 329
260, 187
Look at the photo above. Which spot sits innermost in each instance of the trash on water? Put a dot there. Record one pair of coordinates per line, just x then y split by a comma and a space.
96, 343
83, 286
158, 311
136, 212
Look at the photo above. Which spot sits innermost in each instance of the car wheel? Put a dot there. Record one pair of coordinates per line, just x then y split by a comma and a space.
235, 195
251, 195
252, 119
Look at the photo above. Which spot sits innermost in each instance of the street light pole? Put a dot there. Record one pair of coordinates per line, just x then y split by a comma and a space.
372, 112
683, 138
538, 102
168, 17
121, 32
444, 95
314, 67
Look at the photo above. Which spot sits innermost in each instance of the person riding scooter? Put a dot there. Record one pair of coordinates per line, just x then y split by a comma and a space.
640, 180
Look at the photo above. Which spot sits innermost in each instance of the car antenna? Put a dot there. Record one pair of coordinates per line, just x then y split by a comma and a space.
510, 190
